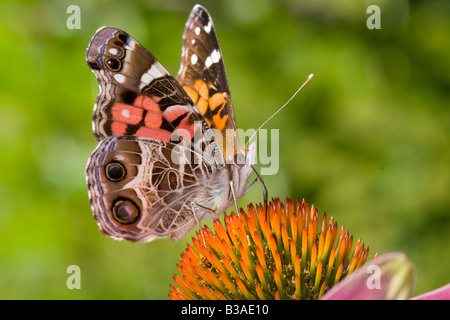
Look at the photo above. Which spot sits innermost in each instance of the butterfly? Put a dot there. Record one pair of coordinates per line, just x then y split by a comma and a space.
168, 152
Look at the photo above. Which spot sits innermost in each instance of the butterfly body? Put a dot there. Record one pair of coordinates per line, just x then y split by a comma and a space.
168, 152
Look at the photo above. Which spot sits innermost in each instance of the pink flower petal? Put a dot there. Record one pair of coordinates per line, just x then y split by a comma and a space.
389, 277
443, 293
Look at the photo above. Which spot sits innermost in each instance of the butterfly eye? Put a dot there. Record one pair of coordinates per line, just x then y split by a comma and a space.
113, 64
115, 171
125, 211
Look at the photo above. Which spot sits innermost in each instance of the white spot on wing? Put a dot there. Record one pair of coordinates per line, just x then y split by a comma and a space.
126, 113
208, 62
208, 27
155, 71
113, 51
194, 59
213, 58
131, 44
181, 67
119, 78
146, 79
197, 31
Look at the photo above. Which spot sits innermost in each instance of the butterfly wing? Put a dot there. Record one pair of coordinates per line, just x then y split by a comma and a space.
202, 75
144, 120
141, 189
138, 96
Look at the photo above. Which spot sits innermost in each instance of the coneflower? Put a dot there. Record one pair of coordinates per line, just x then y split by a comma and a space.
288, 252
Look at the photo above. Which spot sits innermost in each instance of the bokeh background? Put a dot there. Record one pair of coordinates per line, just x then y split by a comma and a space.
367, 141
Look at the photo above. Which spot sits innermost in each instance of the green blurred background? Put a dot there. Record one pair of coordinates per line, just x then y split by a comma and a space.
367, 141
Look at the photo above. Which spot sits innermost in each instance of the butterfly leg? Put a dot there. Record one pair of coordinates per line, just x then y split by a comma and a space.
234, 197
264, 188
250, 187
198, 223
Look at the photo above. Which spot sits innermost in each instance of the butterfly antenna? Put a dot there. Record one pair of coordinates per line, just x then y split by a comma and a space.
276, 112
234, 197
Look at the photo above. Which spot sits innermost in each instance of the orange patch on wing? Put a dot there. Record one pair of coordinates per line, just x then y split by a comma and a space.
153, 118
186, 129
156, 134
216, 100
126, 113
219, 122
172, 113
202, 105
118, 128
146, 103
191, 93
201, 88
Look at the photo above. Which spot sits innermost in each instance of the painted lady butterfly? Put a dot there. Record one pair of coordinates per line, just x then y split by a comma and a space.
168, 152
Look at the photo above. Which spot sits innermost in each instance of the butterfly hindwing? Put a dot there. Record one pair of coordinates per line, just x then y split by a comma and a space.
138, 192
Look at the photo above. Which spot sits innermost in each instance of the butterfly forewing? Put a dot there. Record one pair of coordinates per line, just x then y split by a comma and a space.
138, 96
202, 75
